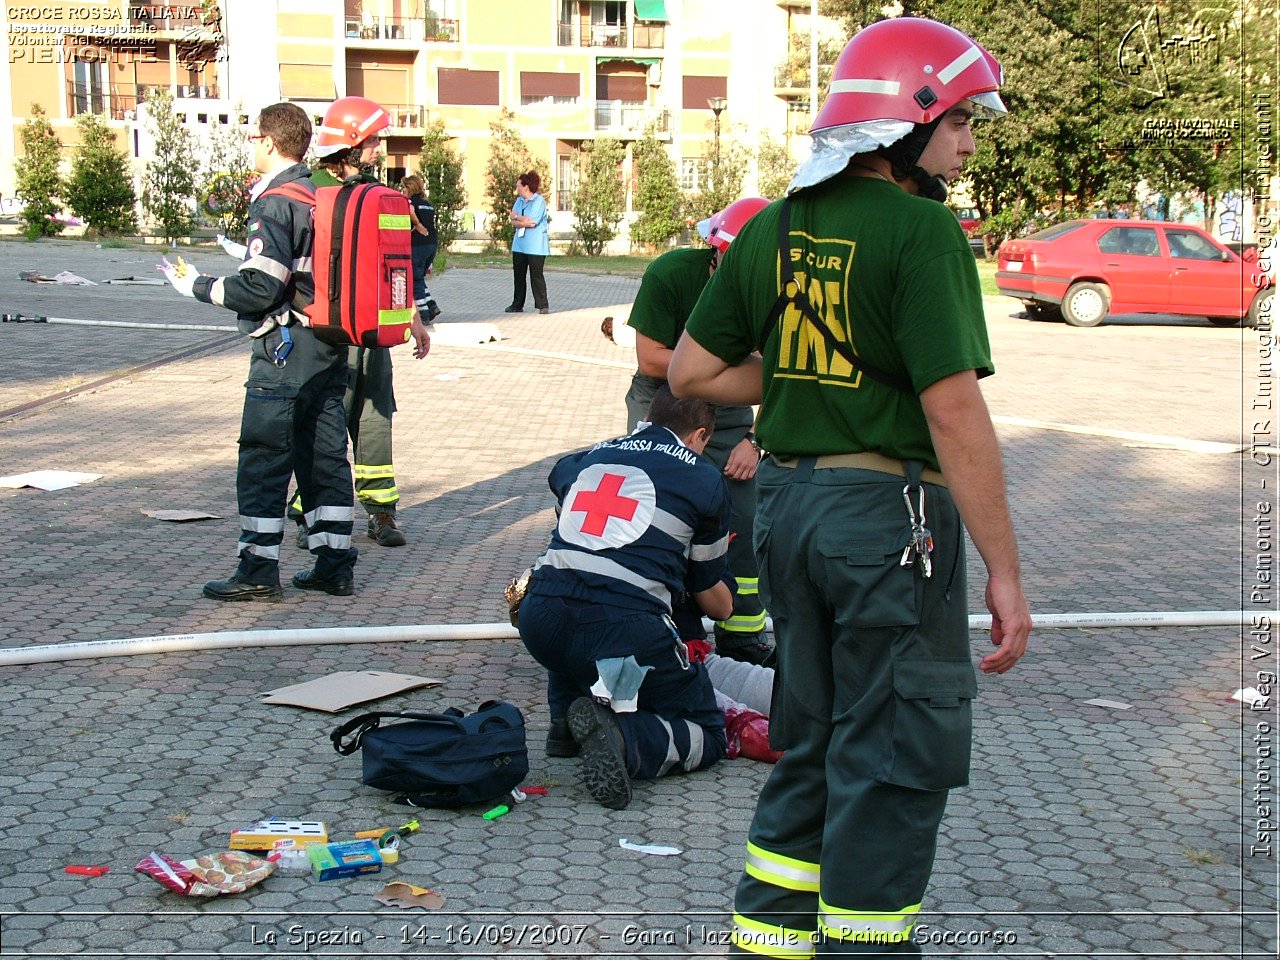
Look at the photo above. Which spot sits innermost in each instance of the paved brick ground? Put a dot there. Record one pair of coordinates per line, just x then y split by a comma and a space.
1087, 830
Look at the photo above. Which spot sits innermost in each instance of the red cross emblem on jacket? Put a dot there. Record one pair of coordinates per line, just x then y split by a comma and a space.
603, 502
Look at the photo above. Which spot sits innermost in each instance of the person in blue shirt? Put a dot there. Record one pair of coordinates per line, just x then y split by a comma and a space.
531, 244
640, 519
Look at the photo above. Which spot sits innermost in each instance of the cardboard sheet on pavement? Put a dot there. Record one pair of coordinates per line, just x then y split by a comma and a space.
338, 691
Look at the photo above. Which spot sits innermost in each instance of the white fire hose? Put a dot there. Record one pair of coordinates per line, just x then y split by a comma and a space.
318, 636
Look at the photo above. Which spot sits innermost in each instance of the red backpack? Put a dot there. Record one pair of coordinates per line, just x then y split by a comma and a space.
361, 263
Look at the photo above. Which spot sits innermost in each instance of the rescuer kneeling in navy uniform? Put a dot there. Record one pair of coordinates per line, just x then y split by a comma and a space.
598, 610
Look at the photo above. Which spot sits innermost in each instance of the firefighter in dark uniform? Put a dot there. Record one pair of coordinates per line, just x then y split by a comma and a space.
667, 293
293, 421
347, 143
876, 456
641, 518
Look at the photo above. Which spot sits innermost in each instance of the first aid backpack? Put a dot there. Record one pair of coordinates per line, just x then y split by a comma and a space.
362, 263
447, 759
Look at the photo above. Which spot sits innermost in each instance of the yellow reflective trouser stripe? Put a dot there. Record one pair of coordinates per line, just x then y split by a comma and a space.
379, 471
770, 940
390, 495
748, 586
392, 317
780, 871
393, 221
867, 927
744, 624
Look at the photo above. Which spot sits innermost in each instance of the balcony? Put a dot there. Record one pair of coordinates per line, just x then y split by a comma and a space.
181, 91
401, 29
114, 100
625, 118
189, 19
578, 34
406, 116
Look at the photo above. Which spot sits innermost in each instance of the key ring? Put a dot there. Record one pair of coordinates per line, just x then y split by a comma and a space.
281, 353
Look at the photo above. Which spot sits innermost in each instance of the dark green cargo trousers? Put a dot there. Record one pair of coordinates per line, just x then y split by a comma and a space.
872, 705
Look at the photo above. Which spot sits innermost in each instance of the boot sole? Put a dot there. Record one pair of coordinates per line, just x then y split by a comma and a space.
275, 597
604, 768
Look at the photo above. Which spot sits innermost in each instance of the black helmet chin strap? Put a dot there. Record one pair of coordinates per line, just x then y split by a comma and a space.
931, 186
904, 154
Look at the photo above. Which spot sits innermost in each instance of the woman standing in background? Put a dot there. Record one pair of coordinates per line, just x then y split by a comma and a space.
531, 244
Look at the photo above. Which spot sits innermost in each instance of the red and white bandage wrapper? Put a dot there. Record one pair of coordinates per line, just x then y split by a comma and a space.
168, 872
228, 871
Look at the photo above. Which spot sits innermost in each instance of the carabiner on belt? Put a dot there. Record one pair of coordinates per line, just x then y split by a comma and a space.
281, 353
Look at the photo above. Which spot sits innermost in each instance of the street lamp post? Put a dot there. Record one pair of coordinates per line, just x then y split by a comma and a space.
717, 105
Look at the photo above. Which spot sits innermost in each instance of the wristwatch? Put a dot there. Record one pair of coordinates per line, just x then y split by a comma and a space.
751, 436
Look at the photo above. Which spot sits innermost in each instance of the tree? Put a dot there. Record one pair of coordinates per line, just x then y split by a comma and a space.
169, 186
723, 173
600, 200
657, 193
442, 173
39, 184
509, 157
775, 168
100, 187
226, 178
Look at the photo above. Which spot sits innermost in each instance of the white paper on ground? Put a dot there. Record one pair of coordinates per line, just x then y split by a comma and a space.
657, 851
48, 479
1248, 695
1113, 704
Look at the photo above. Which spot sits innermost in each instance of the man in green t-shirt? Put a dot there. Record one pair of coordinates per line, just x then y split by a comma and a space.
863, 343
667, 294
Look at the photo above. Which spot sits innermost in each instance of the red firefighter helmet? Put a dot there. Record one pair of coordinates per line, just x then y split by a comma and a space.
348, 123
909, 69
719, 229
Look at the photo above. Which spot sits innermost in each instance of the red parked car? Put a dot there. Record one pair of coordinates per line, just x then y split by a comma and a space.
1089, 269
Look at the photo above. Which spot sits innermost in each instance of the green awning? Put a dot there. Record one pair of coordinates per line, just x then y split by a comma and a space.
646, 61
651, 10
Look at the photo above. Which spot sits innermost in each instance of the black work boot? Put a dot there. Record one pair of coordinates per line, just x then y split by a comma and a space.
383, 529
560, 742
237, 589
604, 753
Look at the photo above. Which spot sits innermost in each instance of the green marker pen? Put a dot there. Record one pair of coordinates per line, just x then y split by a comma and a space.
497, 812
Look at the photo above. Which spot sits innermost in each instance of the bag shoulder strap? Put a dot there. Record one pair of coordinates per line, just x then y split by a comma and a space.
791, 293
362, 724
294, 191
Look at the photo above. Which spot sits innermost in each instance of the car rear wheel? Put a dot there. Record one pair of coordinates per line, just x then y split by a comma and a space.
1262, 306
1038, 310
1086, 304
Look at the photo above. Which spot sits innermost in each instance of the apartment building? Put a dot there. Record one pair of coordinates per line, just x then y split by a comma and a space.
570, 70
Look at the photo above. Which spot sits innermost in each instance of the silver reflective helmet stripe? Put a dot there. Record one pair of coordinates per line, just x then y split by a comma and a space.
857, 85
271, 268
262, 524
709, 551
258, 550
590, 563
333, 514
958, 65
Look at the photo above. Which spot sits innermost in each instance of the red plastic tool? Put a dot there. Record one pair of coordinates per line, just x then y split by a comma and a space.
81, 870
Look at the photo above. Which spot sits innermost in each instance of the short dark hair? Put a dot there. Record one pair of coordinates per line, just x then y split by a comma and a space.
337, 163
681, 417
531, 180
288, 126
